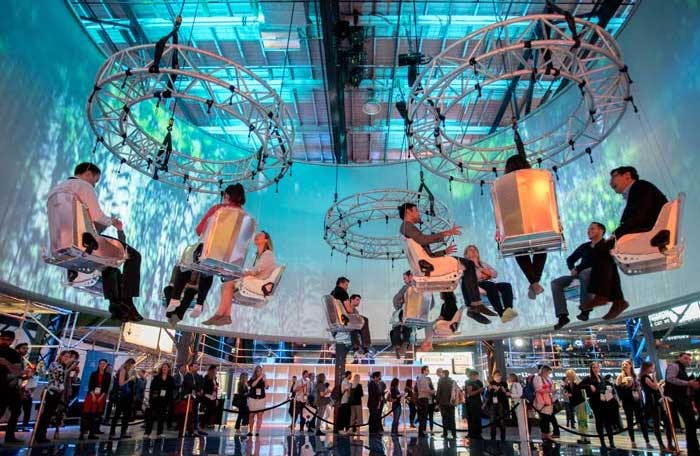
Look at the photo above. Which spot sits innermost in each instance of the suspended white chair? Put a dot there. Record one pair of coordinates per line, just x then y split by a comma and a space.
74, 242
635, 254
432, 274
255, 292
223, 245
527, 216
338, 319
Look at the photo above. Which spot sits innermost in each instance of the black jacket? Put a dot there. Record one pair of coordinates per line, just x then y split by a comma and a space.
583, 252
158, 385
104, 387
644, 203
374, 395
444, 391
340, 294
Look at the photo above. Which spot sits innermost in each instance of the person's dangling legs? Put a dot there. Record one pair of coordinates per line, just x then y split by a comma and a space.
222, 316
203, 286
532, 267
494, 296
470, 292
181, 278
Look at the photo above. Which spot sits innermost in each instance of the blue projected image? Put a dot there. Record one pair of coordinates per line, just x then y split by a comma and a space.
48, 74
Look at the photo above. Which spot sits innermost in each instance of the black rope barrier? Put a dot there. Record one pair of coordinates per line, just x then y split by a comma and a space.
261, 410
315, 412
491, 423
581, 434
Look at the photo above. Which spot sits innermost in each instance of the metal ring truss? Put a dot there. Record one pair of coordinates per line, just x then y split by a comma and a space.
535, 56
364, 225
227, 98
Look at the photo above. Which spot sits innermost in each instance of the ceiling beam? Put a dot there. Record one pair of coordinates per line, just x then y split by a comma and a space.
335, 80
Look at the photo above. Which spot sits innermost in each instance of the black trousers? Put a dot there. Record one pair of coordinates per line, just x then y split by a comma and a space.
157, 413
448, 420
546, 421
399, 335
242, 419
657, 414
343, 417
422, 406
474, 420
27, 403
123, 411
500, 295
497, 416
51, 403
361, 338
411, 413
633, 414
11, 399
375, 420
604, 420
470, 283
125, 283
182, 278
605, 278
533, 266
685, 410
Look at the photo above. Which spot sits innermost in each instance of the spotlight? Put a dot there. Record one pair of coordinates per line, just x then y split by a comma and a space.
372, 106
519, 342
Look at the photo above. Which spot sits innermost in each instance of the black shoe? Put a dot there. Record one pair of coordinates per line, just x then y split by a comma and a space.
563, 321
250, 434
92, 437
41, 440
583, 316
124, 436
202, 433
13, 439
476, 316
320, 433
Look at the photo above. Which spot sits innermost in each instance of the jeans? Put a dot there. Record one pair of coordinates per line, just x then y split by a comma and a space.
396, 418
361, 338
399, 335
11, 399
157, 412
123, 410
355, 417
411, 413
633, 412
125, 283
605, 278
684, 408
204, 283
474, 420
654, 411
562, 282
423, 404
448, 420
497, 415
51, 403
470, 283
344, 415
500, 295
375, 420
320, 412
532, 267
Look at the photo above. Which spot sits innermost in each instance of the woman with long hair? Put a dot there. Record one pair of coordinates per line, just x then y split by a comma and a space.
395, 399
124, 384
544, 404
574, 392
653, 407
601, 395
410, 395
356, 394
240, 401
199, 284
210, 395
263, 266
256, 400
95, 401
500, 294
629, 389
159, 397
323, 400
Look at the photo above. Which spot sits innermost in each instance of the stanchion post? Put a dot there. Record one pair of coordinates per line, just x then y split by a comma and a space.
524, 431
187, 415
38, 417
294, 416
667, 408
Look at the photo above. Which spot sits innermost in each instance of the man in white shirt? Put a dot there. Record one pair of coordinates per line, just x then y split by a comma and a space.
118, 287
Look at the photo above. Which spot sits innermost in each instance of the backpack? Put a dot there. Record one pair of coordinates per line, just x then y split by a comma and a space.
529, 389
457, 396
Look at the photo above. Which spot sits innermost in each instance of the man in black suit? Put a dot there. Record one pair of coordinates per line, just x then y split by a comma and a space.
644, 203
374, 403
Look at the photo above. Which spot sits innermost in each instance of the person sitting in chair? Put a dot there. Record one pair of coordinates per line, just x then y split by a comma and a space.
449, 312
400, 335
234, 196
119, 287
500, 294
644, 204
263, 267
470, 289
582, 271
361, 340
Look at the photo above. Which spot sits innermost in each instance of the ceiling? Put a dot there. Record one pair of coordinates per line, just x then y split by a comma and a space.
294, 46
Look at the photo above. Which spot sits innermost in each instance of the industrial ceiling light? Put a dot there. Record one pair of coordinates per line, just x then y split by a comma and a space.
372, 106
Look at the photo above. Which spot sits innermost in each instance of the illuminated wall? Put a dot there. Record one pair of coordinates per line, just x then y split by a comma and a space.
46, 79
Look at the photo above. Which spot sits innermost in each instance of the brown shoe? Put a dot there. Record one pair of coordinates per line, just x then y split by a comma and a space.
595, 302
478, 306
617, 308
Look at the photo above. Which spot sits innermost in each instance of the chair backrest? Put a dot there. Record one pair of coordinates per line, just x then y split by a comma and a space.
525, 202
334, 310
68, 220
276, 276
414, 253
228, 235
670, 219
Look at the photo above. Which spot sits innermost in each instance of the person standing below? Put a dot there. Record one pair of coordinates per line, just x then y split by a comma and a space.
601, 395
400, 335
299, 397
240, 401
520, 414
95, 401
629, 389
653, 407
410, 216
424, 393
59, 371
210, 396
498, 404
573, 391
473, 399
395, 401
544, 404
447, 408
10, 375
500, 294
355, 402
323, 400
124, 382
410, 396
311, 400
345, 407
256, 400
159, 394
27, 387
375, 396
583, 255
679, 389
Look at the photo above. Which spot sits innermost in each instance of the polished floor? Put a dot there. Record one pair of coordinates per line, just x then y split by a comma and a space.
276, 441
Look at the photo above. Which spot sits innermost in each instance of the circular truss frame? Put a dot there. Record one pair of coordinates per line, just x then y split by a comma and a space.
504, 52
344, 220
225, 91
